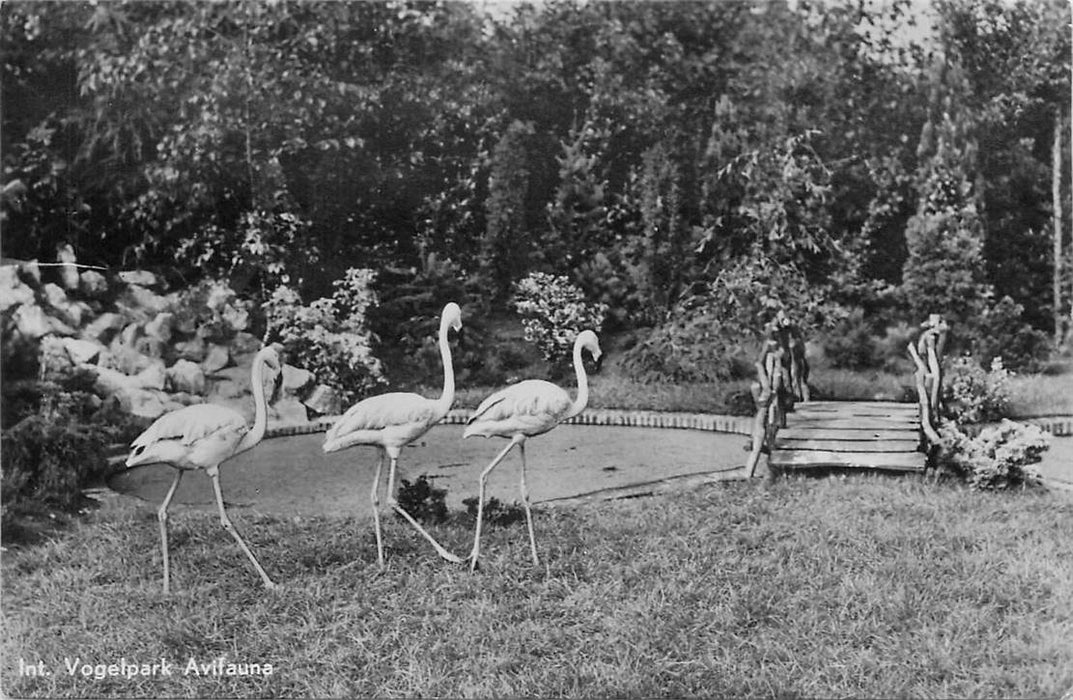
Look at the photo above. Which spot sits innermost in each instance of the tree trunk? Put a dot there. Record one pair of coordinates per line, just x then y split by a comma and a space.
1056, 192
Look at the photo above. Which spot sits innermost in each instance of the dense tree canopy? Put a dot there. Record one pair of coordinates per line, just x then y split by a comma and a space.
641, 149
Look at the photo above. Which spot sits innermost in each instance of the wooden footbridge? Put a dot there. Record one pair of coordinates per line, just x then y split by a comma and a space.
792, 432
850, 435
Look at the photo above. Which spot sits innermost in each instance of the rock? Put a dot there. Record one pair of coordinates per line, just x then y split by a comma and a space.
140, 303
325, 401
68, 272
69, 312
141, 278
216, 359
103, 328
290, 410
152, 377
82, 351
30, 272
53, 359
130, 334
13, 291
187, 377
295, 379
92, 284
126, 359
54, 295
244, 343
160, 327
147, 403
109, 382
226, 389
193, 349
32, 322
150, 347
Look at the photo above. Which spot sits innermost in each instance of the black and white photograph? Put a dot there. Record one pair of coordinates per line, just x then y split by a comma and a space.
530, 349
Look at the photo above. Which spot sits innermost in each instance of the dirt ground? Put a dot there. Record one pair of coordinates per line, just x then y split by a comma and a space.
292, 476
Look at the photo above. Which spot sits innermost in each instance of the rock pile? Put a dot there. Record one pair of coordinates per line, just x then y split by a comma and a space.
149, 350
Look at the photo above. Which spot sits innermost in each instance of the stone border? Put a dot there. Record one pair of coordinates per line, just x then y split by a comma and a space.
711, 422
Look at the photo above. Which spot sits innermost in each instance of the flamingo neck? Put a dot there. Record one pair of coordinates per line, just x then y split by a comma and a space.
448, 396
582, 399
260, 417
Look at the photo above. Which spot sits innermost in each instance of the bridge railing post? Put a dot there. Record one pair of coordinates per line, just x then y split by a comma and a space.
926, 354
782, 377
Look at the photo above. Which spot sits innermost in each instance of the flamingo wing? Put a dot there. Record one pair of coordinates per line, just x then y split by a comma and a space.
192, 423
384, 411
530, 407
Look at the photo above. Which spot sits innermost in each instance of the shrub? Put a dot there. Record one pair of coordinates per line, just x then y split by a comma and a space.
1000, 457
426, 503
553, 312
1000, 332
212, 307
850, 344
495, 511
971, 395
691, 347
330, 336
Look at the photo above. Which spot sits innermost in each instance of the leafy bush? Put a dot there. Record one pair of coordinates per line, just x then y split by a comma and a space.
495, 511
426, 503
971, 395
1000, 457
553, 312
212, 306
691, 347
330, 337
850, 344
1000, 332
407, 319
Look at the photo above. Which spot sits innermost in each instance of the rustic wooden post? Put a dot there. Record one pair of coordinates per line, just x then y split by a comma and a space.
763, 394
927, 356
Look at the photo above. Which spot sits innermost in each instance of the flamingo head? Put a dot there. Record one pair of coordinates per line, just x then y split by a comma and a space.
452, 316
588, 341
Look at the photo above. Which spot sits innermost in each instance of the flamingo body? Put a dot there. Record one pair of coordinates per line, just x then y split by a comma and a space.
193, 437
523, 410
203, 437
531, 407
393, 420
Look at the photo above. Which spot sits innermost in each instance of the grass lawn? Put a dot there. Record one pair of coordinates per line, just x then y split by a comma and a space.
864, 586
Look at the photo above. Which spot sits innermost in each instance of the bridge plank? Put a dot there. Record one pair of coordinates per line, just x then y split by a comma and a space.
852, 422
902, 445
848, 434
804, 459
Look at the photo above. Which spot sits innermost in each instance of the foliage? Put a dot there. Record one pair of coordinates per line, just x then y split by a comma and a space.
426, 503
851, 344
1000, 457
213, 306
1000, 331
503, 248
406, 320
971, 395
554, 312
330, 337
495, 511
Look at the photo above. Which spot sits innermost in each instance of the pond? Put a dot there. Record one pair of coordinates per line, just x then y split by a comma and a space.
292, 476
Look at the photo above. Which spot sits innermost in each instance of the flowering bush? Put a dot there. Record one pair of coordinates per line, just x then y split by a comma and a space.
553, 312
212, 306
971, 395
330, 337
998, 458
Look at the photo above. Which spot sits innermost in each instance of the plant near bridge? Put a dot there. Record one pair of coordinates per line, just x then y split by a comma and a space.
971, 395
1000, 457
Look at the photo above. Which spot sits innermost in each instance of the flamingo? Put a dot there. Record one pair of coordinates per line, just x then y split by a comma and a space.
393, 420
203, 437
520, 411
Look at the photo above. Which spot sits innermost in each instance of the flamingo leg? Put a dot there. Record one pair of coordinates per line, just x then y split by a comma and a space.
402, 511
376, 511
516, 440
528, 511
226, 522
162, 516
